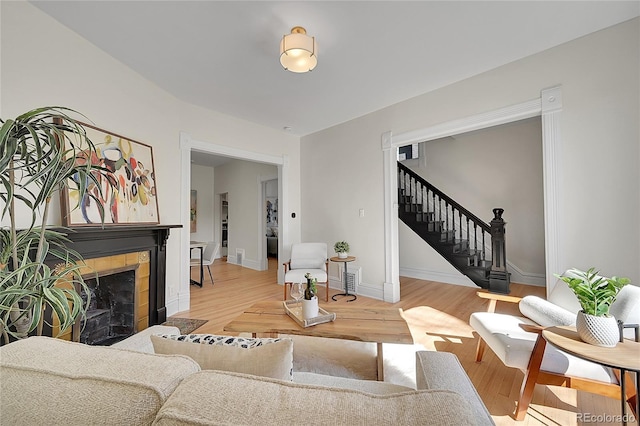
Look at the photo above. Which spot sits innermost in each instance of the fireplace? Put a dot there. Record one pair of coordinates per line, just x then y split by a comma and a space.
117, 255
113, 307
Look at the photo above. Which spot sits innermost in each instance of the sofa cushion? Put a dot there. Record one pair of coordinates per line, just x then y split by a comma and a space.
442, 370
243, 399
141, 341
369, 386
260, 357
84, 383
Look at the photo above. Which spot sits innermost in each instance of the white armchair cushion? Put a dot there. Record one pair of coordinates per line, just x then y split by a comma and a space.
563, 296
513, 345
298, 275
626, 308
308, 256
545, 313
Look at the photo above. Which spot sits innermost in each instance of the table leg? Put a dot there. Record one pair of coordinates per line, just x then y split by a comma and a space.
380, 360
346, 286
637, 396
201, 266
194, 282
623, 396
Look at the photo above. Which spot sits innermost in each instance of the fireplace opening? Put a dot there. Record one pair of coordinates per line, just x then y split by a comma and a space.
111, 315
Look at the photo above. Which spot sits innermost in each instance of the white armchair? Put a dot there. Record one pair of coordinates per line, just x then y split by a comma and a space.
307, 257
518, 343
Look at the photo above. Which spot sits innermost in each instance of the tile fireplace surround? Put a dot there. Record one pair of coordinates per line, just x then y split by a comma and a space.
142, 248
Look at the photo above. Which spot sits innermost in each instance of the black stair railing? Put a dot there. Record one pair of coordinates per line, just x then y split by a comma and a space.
454, 231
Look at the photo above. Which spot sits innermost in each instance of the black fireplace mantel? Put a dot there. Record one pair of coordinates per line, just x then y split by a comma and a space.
92, 242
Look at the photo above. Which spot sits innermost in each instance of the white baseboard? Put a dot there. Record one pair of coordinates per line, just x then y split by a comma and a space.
363, 289
246, 263
517, 276
442, 277
369, 291
529, 278
174, 306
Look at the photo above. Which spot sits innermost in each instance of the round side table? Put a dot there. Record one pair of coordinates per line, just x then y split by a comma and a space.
624, 356
344, 260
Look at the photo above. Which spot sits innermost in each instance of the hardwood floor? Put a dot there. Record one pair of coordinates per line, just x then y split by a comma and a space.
438, 317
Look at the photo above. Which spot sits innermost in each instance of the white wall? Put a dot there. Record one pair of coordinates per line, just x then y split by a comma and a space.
242, 181
202, 181
496, 167
599, 179
44, 63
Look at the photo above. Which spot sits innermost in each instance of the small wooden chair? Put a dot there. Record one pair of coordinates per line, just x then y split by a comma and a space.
518, 343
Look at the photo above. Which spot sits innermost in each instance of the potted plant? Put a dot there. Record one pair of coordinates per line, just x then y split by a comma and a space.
595, 294
41, 152
342, 248
310, 301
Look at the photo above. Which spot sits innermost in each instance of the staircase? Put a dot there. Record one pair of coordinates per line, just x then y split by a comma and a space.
473, 247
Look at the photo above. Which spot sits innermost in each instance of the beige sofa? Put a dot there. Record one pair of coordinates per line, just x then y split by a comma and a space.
54, 382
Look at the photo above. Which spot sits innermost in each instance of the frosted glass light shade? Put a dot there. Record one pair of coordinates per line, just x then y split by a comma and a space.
298, 51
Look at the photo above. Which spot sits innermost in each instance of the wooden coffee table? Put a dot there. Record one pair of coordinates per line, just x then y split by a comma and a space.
379, 325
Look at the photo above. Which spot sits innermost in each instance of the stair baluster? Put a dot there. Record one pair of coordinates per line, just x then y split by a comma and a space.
421, 208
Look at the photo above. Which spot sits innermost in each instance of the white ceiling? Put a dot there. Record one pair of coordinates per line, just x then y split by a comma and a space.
223, 55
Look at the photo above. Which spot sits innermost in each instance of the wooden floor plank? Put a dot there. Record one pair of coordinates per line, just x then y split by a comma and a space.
438, 318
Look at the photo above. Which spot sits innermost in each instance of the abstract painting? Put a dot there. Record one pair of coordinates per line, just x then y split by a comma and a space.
128, 196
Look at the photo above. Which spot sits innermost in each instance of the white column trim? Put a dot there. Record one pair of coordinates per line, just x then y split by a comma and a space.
549, 106
391, 292
184, 291
475, 122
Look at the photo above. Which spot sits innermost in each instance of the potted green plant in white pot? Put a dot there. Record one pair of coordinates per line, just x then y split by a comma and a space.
342, 248
41, 152
310, 301
596, 294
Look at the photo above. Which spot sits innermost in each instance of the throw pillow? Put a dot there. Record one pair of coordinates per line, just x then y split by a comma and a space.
545, 313
260, 357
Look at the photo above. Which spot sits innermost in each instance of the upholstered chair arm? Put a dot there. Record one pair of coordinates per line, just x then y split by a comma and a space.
530, 328
287, 266
494, 298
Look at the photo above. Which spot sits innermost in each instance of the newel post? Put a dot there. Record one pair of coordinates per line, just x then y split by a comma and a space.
498, 277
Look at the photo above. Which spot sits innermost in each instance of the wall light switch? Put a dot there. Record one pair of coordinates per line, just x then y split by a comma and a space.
361, 212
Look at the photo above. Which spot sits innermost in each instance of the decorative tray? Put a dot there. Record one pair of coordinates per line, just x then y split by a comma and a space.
295, 312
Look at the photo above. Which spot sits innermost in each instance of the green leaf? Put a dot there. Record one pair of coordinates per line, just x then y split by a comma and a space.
594, 292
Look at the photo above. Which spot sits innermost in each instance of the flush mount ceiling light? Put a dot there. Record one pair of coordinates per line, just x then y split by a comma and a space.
298, 51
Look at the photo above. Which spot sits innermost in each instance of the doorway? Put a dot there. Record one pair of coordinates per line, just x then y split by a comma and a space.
549, 107
189, 145
224, 225
271, 219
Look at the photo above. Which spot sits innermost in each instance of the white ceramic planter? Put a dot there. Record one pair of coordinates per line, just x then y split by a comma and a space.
343, 255
598, 331
310, 308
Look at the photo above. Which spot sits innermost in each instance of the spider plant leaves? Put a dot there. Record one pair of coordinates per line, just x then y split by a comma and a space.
55, 289
42, 151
